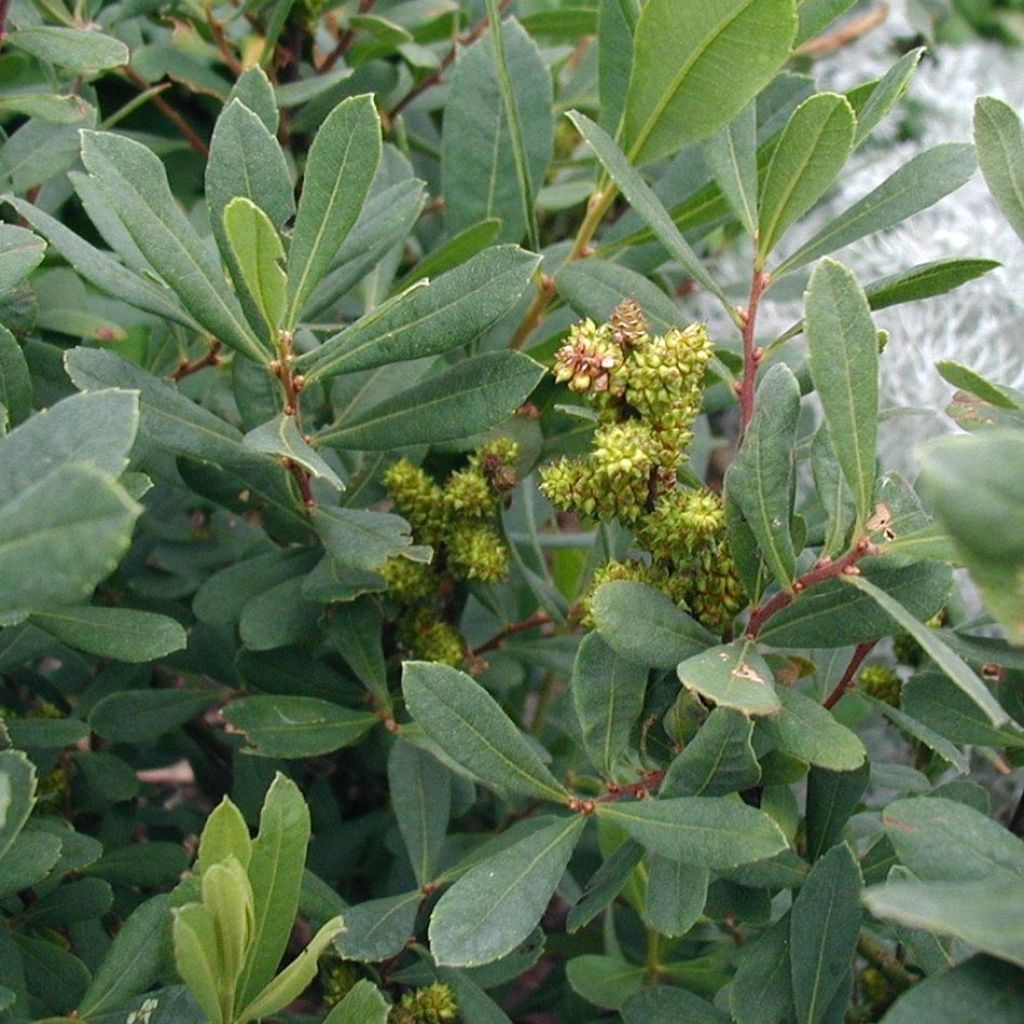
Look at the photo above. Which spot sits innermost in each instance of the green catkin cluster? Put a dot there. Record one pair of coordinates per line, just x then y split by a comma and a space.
338, 980
433, 1004
882, 682
647, 392
459, 519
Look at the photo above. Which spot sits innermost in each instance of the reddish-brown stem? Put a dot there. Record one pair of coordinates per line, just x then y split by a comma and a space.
5, 6
187, 132
826, 569
227, 54
346, 40
545, 289
844, 684
751, 355
535, 620
446, 61
633, 790
187, 366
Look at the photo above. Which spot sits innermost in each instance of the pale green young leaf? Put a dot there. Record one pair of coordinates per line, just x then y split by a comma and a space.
951, 664
61, 537
363, 1004
294, 979
281, 437
815, 145
287, 727
227, 897
710, 832
431, 319
124, 634
421, 794
495, 906
17, 795
844, 367
257, 250
731, 154
917, 185
806, 730
469, 726
608, 694
824, 927
197, 960
275, 873
224, 834
605, 981
760, 479
646, 204
466, 399
339, 171
733, 676
719, 760
696, 65
133, 184
999, 136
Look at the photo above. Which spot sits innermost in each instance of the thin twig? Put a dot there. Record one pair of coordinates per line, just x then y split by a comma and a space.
844, 684
187, 132
189, 366
346, 40
227, 54
751, 356
496, 641
875, 953
844, 35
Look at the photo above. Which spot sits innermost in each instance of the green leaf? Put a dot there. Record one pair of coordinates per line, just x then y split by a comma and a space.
605, 981
46, 732
60, 537
985, 913
294, 979
496, 905
952, 665
760, 478
488, 168
354, 631
606, 883
824, 928
969, 380
15, 382
832, 796
711, 832
646, 626
676, 894
469, 726
339, 170
733, 676
808, 731
814, 147
886, 94
364, 1004
616, 26
253, 89
225, 834
97, 429
761, 990
644, 201
17, 795
287, 727
931, 739
659, 1004
421, 795
816, 15
258, 251
53, 975
844, 367
999, 136
608, 694
120, 633
697, 65
196, 958
75, 49
832, 492
275, 873
981, 990
917, 185
20, 252
281, 437
731, 155
719, 760
379, 929
133, 184
140, 716
453, 252
925, 281
932, 699
362, 539
450, 312
466, 399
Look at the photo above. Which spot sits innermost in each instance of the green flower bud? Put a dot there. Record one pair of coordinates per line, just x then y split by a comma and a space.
628, 324
478, 553
468, 495
409, 581
338, 980
427, 636
585, 362
636, 572
434, 1004
716, 595
417, 498
497, 461
681, 523
881, 682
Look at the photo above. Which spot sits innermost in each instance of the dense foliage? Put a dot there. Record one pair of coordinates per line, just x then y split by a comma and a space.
428, 593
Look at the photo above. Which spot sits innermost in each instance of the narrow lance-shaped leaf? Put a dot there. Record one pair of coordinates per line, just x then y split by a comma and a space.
815, 145
76, 49
646, 204
17, 795
886, 94
760, 479
615, 27
258, 252
469, 726
282, 437
918, 184
133, 183
696, 65
296, 726
121, 633
844, 367
951, 664
339, 171
734, 676
421, 793
732, 156
999, 135
718, 760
